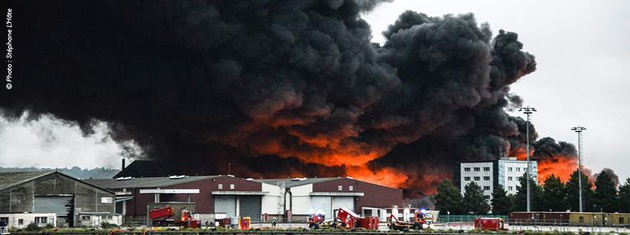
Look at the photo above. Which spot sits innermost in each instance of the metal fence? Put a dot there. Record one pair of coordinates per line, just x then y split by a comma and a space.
466, 218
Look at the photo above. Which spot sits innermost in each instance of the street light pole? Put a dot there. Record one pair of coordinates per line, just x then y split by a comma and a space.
579, 130
528, 111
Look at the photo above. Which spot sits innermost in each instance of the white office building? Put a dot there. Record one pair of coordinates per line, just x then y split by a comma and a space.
489, 174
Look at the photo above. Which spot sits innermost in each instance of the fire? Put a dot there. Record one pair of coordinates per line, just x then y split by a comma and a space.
521, 153
386, 176
560, 166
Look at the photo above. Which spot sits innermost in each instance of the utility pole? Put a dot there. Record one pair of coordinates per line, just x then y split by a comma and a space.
528, 111
579, 130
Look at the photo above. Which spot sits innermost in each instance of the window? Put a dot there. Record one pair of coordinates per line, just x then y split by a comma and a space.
467, 169
340, 187
486, 178
510, 178
231, 186
20, 221
518, 169
509, 168
477, 169
486, 169
486, 197
621, 220
486, 187
41, 220
351, 188
220, 186
510, 188
477, 178
466, 178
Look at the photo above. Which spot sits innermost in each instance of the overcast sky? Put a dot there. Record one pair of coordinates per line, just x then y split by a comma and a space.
582, 54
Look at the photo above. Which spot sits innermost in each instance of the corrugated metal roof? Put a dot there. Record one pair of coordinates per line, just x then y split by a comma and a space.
289, 183
10, 179
146, 182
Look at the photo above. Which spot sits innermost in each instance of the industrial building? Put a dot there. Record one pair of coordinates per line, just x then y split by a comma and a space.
221, 196
71, 201
203, 195
489, 174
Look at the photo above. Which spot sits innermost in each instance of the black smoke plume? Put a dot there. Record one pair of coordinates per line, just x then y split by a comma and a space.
274, 87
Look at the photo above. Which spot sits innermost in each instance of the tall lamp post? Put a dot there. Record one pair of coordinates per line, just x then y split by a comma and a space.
579, 130
528, 111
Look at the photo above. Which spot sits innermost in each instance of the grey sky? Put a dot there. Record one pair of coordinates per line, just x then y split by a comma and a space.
583, 57
582, 54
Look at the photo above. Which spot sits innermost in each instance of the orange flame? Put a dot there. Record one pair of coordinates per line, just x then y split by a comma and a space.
521, 153
560, 166
385, 176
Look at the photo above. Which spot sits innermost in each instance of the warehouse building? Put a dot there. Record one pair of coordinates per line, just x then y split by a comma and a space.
227, 196
72, 201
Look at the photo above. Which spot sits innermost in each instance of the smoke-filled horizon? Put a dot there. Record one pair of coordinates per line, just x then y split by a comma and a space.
279, 88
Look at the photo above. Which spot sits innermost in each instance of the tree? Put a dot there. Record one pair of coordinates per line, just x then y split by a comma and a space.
448, 198
520, 199
473, 199
605, 195
624, 197
501, 203
573, 193
554, 195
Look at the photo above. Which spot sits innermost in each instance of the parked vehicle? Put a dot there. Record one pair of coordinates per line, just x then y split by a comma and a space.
421, 220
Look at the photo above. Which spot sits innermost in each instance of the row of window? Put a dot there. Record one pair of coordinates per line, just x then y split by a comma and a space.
467, 178
467, 169
477, 178
510, 169
517, 169
350, 188
488, 188
220, 186
38, 220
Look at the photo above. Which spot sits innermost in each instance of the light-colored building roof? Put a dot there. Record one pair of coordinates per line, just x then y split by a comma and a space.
10, 179
294, 182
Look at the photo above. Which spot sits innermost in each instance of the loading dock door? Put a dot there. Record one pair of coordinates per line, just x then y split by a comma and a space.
323, 203
347, 202
52, 205
250, 207
225, 204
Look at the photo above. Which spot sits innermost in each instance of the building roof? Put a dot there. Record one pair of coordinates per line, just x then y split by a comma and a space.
10, 179
144, 168
294, 182
147, 182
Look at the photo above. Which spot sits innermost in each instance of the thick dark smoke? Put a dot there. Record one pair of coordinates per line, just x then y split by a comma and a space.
277, 88
612, 175
547, 148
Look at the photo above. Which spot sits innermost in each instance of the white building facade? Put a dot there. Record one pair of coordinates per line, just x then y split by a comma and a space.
489, 174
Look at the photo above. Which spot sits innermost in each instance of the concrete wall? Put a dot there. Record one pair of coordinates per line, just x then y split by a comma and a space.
301, 199
273, 201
